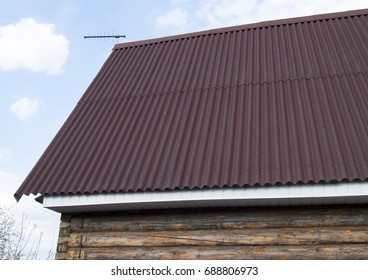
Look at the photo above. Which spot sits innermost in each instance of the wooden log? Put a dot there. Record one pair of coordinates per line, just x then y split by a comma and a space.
62, 244
334, 252
242, 233
62, 247
71, 254
62, 256
270, 236
76, 222
222, 219
64, 231
65, 217
64, 224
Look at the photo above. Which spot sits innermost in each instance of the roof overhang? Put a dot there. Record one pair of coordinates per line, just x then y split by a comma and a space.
286, 195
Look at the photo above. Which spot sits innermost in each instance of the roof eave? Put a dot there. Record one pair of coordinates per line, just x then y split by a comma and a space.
308, 194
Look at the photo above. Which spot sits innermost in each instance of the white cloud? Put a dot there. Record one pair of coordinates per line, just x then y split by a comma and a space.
222, 13
206, 14
34, 46
5, 155
177, 18
25, 107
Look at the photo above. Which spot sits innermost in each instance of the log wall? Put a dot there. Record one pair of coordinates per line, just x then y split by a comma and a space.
330, 232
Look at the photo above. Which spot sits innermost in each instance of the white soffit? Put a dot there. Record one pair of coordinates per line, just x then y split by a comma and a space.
304, 194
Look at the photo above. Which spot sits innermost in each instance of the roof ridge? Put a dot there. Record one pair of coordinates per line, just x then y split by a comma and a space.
188, 90
257, 25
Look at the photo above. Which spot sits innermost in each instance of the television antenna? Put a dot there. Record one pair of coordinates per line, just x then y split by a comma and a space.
116, 36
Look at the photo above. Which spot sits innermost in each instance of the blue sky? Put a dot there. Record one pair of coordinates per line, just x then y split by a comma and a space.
46, 65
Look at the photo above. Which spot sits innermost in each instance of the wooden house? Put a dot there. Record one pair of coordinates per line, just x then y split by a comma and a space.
246, 142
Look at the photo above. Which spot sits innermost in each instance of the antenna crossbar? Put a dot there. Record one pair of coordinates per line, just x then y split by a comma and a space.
104, 36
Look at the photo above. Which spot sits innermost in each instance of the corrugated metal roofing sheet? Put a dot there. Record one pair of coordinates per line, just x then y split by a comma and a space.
276, 102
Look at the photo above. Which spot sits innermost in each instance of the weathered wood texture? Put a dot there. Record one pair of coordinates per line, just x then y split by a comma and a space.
333, 232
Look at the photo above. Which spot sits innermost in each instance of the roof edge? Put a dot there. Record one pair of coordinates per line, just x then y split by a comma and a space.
309, 194
260, 24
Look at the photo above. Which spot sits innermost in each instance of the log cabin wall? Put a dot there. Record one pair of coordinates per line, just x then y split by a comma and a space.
329, 232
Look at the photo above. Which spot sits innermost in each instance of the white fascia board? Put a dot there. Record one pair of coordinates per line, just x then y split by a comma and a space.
303, 194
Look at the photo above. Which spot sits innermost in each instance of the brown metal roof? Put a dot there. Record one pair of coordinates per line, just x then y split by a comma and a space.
267, 103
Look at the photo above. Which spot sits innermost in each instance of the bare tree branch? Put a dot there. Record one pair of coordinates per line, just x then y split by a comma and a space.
15, 238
